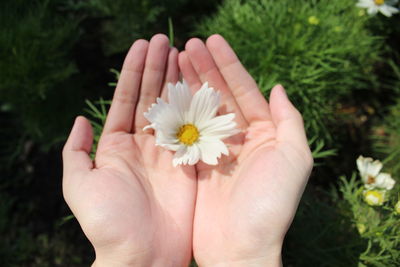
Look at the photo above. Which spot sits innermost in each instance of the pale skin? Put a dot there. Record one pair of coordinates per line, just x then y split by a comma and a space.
138, 210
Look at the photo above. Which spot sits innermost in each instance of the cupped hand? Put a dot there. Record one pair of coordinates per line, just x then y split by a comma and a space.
133, 205
246, 203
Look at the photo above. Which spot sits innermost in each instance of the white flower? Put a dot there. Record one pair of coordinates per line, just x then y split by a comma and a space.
371, 175
375, 6
189, 125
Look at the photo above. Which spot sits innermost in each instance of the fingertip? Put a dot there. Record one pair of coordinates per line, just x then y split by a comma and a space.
81, 120
281, 107
182, 54
193, 44
173, 53
172, 74
278, 90
139, 46
182, 58
286, 117
160, 38
215, 36
188, 72
221, 51
215, 39
77, 148
279, 99
140, 42
159, 43
81, 135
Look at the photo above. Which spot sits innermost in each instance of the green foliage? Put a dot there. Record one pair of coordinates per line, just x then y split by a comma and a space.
36, 43
29, 237
55, 53
97, 113
379, 226
387, 139
34, 49
386, 134
319, 152
328, 55
125, 21
121, 22
322, 234
321, 51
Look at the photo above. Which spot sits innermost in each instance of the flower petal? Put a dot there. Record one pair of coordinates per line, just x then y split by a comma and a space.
155, 110
162, 115
186, 155
194, 154
372, 10
211, 150
367, 167
167, 141
204, 105
219, 127
364, 4
180, 97
180, 156
199, 110
388, 11
385, 181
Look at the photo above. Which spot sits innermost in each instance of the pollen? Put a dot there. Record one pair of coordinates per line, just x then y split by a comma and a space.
379, 2
188, 134
370, 180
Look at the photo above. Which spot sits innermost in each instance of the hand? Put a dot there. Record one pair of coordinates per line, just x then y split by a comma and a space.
246, 203
133, 205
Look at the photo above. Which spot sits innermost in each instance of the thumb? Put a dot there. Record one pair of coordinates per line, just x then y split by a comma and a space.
287, 119
77, 148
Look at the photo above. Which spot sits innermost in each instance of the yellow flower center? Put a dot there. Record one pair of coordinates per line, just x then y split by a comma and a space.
313, 20
361, 228
379, 2
374, 198
188, 134
397, 207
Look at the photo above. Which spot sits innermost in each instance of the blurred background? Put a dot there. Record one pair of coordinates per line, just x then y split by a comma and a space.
340, 66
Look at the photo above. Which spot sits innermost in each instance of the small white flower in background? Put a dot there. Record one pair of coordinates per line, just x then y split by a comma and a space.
383, 6
189, 125
374, 197
371, 175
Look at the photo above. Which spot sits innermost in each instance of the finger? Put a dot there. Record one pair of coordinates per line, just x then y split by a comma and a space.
188, 72
77, 148
205, 67
287, 119
153, 77
121, 114
172, 74
241, 84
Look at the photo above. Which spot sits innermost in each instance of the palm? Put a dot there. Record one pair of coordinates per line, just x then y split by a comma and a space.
247, 194
131, 190
246, 203
131, 202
